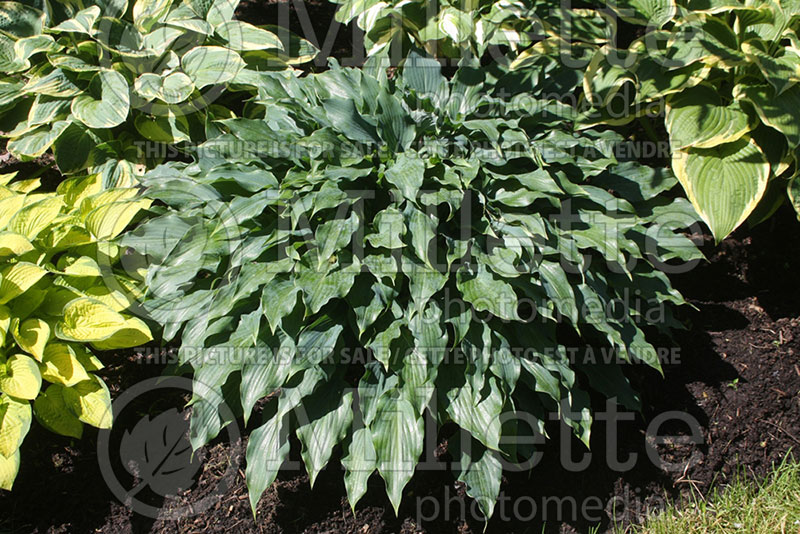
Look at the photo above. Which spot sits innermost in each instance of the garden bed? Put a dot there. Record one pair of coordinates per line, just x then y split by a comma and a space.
738, 376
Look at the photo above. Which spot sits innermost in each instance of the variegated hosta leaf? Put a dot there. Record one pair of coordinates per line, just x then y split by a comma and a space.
694, 119
723, 183
781, 112
108, 106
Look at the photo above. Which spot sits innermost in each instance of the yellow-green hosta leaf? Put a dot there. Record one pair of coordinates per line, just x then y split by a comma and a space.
781, 112
243, 36
86, 319
111, 109
32, 336
90, 401
9, 206
51, 411
724, 183
107, 196
27, 186
134, 334
694, 119
109, 220
5, 323
61, 365
83, 266
116, 300
210, 65
33, 218
20, 377
13, 244
18, 278
89, 361
74, 190
9, 467
15, 421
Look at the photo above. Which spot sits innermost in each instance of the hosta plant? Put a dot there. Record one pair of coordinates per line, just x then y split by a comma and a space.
56, 253
103, 82
469, 28
361, 251
727, 75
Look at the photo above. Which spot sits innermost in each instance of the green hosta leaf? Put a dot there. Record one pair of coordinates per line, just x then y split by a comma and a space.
211, 65
20, 377
20, 20
645, 12
397, 435
51, 411
73, 148
723, 183
478, 412
111, 108
559, 289
781, 112
694, 120
389, 229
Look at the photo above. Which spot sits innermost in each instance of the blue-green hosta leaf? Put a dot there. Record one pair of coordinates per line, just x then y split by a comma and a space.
389, 229
267, 448
359, 462
724, 184
397, 435
211, 65
781, 112
481, 471
478, 412
111, 109
278, 299
488, 293
694, 119
344, 116
317, 342
327, 424
407, 173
